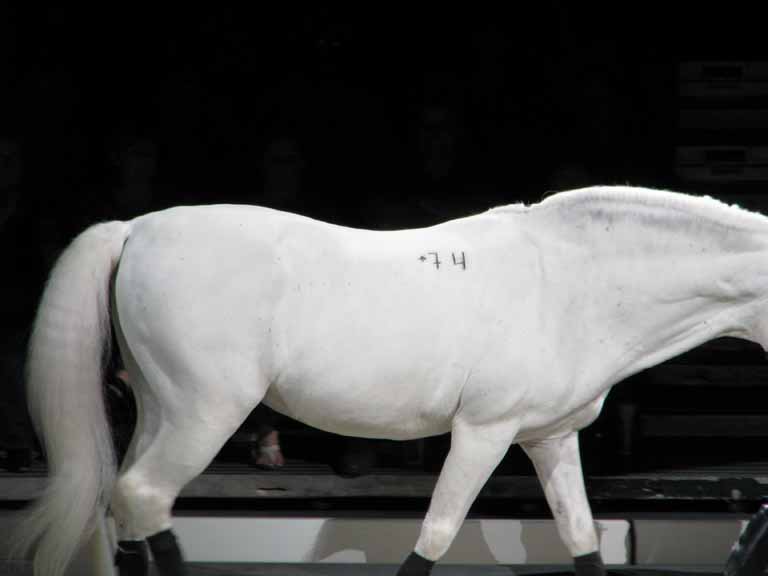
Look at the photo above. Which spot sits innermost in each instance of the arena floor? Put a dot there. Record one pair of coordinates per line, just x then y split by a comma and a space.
205, 569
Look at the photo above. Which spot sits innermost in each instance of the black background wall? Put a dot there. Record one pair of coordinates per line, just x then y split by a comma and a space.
366, 116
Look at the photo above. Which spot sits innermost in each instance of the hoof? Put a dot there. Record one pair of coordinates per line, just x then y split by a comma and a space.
589, 565
132, 558
415, 565
167, 554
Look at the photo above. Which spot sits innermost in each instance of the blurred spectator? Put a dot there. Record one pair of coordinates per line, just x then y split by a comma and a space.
263, 438
52, 237
15, 430
10, 170
283, 169
16, 437
569, 176
136, 166
438, 142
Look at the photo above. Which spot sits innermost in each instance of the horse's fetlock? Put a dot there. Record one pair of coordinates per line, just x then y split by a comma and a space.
582, 538
436, 538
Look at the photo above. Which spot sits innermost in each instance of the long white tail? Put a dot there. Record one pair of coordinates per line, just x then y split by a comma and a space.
69, 343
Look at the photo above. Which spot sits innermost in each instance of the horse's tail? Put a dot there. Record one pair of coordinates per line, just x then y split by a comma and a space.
68, 347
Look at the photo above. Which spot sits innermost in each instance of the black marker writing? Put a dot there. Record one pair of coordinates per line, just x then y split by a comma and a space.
462, 261
458, 259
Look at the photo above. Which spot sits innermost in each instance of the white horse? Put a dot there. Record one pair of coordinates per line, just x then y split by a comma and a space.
505, 327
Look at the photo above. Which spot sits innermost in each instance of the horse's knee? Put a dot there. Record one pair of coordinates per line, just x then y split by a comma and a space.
140, 509
436, 538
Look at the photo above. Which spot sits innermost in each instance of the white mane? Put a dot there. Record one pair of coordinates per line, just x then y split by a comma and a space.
629, 203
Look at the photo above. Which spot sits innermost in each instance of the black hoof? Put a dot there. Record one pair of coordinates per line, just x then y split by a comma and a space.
167, 554
589, 565
415, 565
132, 558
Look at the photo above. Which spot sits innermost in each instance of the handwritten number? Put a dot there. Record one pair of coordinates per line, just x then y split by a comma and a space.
462, 262
458, 259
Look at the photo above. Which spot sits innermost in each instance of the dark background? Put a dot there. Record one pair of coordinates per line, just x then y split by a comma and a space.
378, 118
375, 117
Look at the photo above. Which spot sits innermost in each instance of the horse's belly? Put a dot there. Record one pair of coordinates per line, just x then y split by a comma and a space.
376, 408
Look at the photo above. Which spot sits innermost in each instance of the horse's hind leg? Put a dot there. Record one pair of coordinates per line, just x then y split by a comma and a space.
132, 555
145, 492
192, 430
475, 452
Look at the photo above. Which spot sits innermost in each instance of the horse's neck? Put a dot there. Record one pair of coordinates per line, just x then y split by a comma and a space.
683, 306
645, 297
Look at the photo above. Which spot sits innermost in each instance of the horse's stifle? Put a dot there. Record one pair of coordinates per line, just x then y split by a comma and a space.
507, 327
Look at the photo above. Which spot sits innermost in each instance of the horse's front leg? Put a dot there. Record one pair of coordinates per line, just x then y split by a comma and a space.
558, 466
475, 452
